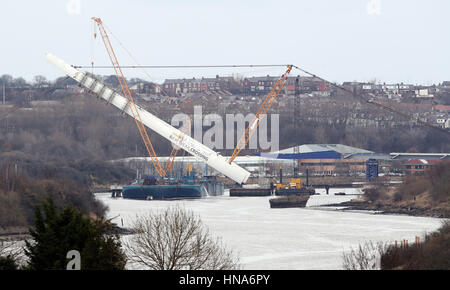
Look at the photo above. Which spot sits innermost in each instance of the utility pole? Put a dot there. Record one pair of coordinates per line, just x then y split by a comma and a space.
3, 94
296, 104
296, 117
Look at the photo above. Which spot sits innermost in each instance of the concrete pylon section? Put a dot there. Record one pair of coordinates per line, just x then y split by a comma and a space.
175, 136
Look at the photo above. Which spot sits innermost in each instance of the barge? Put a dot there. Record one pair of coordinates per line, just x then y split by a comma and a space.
173, 188
163, 191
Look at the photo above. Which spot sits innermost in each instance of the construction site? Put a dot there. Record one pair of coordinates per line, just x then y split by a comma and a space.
224, 135
293, 171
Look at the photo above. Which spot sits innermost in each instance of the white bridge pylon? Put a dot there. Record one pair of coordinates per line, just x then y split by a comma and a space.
175, 136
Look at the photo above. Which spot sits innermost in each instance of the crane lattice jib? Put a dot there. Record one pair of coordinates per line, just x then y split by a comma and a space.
131, 103
253, 125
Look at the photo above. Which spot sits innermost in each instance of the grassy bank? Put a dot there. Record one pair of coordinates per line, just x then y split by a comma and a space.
431, 254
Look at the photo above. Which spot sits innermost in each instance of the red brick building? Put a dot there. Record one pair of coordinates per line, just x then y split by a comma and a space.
177, 87
417, 166
263, 85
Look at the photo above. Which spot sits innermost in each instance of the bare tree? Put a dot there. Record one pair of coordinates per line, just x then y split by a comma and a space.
40, 80
175, 239
12, 250
366, 257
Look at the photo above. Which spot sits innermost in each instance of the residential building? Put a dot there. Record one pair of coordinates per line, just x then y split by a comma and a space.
178, 87
294, 84
259, 85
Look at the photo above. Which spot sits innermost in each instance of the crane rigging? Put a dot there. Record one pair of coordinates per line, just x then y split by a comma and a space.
135, 113
180, 139
360, 97
265, 106
175, 136
243, 140
355, 95
187, 66
144, 118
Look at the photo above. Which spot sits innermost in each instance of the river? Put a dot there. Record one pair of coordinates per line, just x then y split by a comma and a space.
290, 238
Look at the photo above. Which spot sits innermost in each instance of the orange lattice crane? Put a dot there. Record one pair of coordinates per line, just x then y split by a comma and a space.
252, 127
132, 105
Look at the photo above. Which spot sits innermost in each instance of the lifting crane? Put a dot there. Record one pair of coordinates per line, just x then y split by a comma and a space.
243, 140
168, 132
253, 125
131, 103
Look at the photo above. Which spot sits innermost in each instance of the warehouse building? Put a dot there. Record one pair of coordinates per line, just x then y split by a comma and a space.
328, 159
319, 159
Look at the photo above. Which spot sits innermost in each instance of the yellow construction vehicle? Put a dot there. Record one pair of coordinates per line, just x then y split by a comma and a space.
294, 186
294, 183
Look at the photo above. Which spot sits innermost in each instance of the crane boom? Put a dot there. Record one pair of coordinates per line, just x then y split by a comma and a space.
186, 142
127, 93
253, 125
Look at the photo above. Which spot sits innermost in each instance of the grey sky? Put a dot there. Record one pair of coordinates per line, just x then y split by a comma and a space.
403, 40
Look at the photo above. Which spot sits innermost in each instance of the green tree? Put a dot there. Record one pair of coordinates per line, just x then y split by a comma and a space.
58, 231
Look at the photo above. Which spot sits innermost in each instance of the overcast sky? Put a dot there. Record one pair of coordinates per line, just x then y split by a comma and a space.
390, 41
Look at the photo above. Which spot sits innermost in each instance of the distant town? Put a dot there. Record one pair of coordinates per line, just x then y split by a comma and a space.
427, 103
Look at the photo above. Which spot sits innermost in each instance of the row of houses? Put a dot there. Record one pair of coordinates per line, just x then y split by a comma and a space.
178, 87
247, 86
399, 91
294, 85
303, 85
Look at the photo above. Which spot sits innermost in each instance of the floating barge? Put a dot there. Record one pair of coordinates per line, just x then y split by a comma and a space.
173, 188
298, 200
163, 191
295, 191
250, 192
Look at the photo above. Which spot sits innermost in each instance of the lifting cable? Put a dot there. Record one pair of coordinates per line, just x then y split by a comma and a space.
130, 55
187, 66
369, 101
359, 96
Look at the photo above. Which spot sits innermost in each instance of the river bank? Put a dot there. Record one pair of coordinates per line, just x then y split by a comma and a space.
284, 238
409, 209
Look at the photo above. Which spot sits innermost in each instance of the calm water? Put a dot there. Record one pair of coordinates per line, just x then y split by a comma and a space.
290, 238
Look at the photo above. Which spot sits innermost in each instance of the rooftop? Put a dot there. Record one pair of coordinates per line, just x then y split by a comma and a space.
421, 162
308, 148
